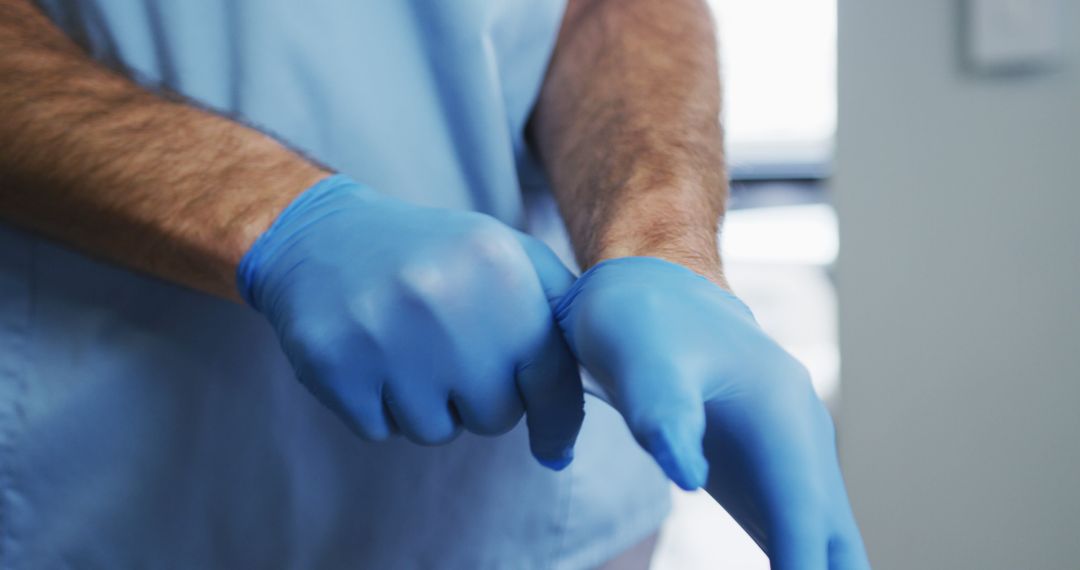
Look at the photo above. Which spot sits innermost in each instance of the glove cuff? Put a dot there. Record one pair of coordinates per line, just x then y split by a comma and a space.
657, 270
293, 218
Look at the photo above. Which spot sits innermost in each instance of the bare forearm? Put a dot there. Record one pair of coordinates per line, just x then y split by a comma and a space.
628, 128
91, 159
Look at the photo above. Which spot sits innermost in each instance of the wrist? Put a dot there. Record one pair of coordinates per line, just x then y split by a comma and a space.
713, 271
205, 237
699, 255
330, 194
285, 176
666, 215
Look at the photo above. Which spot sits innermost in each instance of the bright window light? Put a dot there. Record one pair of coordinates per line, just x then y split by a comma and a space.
778, 60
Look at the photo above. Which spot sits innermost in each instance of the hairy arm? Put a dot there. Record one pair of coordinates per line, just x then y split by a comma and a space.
94, 161
628, 127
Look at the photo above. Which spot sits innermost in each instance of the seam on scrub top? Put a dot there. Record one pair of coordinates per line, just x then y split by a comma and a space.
17, 373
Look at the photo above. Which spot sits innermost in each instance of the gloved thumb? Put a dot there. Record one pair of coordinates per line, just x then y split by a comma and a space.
550, 381
555, 278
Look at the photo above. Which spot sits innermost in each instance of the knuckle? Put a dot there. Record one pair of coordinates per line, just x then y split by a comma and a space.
478, 256
484, 230
487, 401
784, 372
499, 422
424, 279
312, 348
787, 388
493, 245
497, 426
323, 349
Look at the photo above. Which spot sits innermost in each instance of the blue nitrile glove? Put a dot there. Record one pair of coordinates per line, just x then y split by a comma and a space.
684, 360
420, 319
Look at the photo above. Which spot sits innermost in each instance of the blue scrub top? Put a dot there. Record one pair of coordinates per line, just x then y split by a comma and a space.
143, 425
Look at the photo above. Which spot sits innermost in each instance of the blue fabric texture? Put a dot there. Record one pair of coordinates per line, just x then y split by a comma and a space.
143, 425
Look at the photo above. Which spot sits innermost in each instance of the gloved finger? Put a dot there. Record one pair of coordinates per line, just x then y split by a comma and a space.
730, 483
798, 536
423, 420
555, 278
363, 413
494, 410
667, 417
550, 386
846, 552
390, 421
786, 437
798, 545
357, 404
549, 381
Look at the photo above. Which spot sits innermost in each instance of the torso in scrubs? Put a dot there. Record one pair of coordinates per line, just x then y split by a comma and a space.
143, 425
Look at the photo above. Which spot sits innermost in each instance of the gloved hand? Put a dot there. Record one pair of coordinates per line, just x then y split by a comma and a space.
428, 320
681, 358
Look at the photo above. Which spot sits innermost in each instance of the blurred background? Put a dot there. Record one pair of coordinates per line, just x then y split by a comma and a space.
904, 219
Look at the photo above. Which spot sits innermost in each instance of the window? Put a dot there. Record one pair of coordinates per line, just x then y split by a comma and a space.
778, 59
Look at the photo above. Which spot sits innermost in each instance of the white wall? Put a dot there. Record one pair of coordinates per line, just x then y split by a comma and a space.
959, 274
